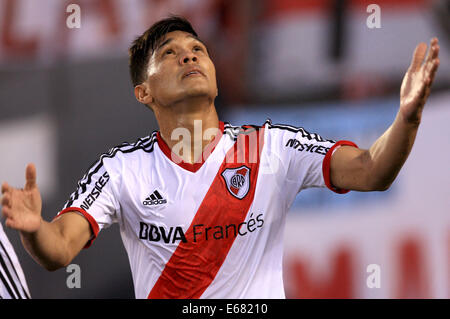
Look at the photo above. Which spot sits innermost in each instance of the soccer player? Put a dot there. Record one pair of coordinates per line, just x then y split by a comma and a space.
12, 280
203, 216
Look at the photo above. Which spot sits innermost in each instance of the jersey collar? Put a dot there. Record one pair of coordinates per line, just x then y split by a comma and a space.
189, 166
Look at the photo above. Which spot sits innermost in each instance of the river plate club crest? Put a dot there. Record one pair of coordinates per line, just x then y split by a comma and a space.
237, 180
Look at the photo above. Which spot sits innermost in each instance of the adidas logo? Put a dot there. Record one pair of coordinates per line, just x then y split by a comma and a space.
155, 198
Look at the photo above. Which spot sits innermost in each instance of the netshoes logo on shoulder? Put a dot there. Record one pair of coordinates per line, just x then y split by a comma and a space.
95, 192
312, 148
200, 232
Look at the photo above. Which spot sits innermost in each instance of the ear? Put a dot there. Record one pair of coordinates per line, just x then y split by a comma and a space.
143, 94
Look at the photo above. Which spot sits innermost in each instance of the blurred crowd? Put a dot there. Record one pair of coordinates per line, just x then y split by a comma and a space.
265, 51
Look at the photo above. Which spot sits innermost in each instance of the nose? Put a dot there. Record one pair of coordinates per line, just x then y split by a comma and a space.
188, 57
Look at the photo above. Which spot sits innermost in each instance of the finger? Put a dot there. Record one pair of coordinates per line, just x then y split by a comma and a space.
432, 54
5, 187
431, 71
6, 212
433, 50
434, 41
6, 200
30, 176
11, 223
418, 56
434, 68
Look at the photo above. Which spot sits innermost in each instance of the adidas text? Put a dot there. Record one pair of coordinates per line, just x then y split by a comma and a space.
154, 202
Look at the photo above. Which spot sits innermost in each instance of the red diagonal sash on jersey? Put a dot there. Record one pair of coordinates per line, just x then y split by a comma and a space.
194, 264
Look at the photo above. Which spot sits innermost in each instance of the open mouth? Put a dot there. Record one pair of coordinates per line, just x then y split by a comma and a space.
193, 73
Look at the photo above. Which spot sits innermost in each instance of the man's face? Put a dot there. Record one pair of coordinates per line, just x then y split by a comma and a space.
180, 68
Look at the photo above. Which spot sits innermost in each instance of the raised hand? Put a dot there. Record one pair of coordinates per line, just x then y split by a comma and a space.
22, 207
417, 82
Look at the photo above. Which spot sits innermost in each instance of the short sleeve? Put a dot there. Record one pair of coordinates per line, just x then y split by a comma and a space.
306, 156
95, 198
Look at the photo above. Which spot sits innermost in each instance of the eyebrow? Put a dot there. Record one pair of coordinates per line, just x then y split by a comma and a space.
167, 41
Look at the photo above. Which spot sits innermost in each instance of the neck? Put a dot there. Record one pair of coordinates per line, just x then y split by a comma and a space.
187, 128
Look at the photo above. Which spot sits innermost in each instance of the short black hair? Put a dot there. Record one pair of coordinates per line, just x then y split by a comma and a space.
144, 46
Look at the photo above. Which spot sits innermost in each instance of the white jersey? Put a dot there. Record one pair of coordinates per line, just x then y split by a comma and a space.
212, 229
12, 280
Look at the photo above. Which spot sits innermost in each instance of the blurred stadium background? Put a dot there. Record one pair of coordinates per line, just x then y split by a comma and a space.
66, 97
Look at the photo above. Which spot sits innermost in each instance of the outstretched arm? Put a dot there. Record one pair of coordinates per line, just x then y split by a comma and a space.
377, 167
53, 245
